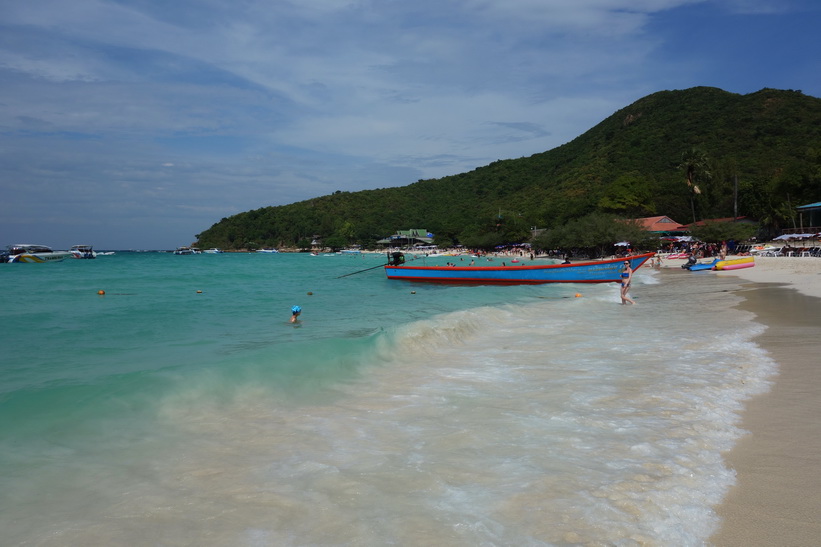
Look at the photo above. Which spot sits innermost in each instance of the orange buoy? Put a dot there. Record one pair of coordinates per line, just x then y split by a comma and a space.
578, 295
101, 292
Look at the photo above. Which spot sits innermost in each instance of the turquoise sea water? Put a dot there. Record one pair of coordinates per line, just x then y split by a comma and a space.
182, 407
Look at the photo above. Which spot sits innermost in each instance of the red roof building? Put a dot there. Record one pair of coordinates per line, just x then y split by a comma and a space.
662, 224
743, 220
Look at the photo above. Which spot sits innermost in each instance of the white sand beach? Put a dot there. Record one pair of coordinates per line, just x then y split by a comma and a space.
800, 273
777, 497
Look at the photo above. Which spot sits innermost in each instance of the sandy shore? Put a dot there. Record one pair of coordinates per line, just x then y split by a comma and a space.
777, 497
802, 274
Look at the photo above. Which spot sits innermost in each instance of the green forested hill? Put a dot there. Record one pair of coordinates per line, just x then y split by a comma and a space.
631, 165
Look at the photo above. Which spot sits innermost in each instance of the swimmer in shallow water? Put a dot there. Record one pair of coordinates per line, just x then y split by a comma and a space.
295, 311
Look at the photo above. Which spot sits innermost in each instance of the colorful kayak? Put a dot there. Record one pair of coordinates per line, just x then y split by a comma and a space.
598, 271
735, 263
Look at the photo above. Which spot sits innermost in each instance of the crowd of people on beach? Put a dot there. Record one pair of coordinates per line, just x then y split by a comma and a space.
700, 249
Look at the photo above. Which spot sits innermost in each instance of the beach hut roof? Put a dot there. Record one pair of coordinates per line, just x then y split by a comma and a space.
743, 220
660, 224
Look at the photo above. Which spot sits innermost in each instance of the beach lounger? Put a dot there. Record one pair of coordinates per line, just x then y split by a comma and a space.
775, 251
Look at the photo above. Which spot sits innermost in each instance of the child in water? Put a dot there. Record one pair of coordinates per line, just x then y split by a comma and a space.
295, 311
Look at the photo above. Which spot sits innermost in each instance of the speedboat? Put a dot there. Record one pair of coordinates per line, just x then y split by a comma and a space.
27, 252
213, 251
82, 251
268, 250
187, 251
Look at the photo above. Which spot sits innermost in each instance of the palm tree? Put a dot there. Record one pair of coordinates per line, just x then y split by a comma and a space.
695, 165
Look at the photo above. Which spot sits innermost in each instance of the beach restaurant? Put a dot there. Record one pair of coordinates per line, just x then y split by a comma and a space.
809, 218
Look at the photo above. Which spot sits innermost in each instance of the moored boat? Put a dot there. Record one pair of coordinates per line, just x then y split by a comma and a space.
187, 251
270, 251
596, 271
82, 251
213, 251
28, 252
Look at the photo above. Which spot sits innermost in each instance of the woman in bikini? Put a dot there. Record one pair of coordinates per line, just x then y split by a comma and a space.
626, 277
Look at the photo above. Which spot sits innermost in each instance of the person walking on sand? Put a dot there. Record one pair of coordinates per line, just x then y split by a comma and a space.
626, 277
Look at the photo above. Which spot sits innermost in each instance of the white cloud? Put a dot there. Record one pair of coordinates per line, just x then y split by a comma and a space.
280, 101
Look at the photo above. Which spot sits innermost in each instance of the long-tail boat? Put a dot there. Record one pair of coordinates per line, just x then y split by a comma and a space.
594, 271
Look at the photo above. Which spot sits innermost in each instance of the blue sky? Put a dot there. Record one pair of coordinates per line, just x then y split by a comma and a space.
139, 123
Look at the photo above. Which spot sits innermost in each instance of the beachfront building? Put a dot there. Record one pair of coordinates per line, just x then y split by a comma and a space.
408, 238
809, 218
662, 225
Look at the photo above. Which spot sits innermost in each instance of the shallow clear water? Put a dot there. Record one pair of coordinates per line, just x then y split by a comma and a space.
393, 413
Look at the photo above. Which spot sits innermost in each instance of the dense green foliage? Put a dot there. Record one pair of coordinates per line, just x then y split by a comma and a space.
593, 235
715, 232
675, 153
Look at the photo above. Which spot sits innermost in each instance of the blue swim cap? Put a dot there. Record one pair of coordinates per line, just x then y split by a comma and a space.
296, 309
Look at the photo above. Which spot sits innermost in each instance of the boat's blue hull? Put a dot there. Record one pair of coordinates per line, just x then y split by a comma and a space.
600, 271
705, 266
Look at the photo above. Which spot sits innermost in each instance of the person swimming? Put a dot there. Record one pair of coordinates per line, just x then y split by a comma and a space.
295, 311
